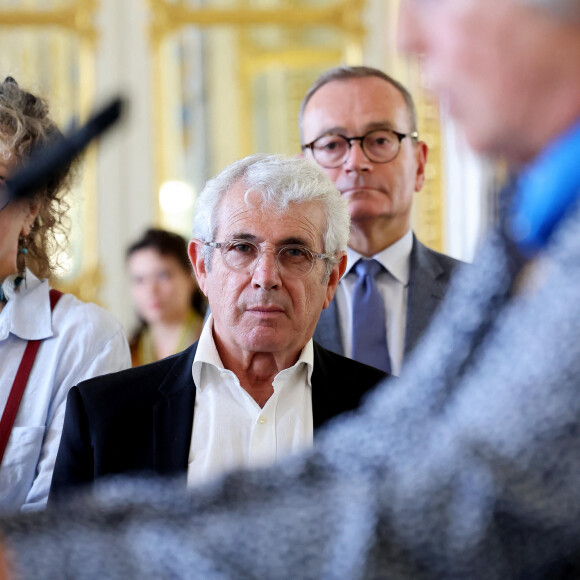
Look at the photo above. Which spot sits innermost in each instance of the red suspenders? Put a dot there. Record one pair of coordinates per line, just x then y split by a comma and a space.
19, 385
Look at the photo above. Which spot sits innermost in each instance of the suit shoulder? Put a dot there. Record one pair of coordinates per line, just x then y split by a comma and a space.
446, 261
346, 368
424, 260
144, 379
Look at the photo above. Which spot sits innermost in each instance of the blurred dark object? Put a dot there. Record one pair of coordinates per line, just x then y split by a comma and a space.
49, 160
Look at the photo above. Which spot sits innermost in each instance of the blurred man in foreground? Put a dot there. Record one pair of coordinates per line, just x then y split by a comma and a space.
470, 467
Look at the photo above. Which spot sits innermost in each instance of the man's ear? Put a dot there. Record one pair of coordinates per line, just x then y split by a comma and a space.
195, 251
421, 152
334, 278
30, 212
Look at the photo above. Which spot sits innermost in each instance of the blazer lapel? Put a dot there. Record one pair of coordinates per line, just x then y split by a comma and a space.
327, 332
425, 293
173, 416
320, 390
330, 395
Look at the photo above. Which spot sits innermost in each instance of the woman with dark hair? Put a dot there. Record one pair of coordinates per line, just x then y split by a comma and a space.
49, 342
169, 303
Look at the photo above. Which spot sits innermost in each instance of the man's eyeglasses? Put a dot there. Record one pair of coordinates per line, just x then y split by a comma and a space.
379, 146
293, 260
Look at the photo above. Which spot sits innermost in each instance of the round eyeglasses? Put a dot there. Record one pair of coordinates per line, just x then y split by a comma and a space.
293, 260
379, 146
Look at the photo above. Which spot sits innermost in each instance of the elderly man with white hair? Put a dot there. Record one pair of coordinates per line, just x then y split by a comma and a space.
268, 252
470, 467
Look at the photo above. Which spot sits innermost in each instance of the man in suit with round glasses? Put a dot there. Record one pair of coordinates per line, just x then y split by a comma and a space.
360, 126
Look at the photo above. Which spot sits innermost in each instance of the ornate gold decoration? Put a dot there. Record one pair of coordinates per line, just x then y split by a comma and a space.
76, 16
297, 66
428, 207
291, 57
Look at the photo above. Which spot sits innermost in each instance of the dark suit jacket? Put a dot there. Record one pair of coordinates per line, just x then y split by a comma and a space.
429, 277
140, 419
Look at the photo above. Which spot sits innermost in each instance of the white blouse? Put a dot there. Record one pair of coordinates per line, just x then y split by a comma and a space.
79, 341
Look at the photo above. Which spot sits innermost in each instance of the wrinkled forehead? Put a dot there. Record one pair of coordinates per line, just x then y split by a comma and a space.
267, 198
356, 105
246, 211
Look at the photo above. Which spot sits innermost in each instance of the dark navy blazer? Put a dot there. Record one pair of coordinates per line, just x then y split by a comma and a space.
140, 419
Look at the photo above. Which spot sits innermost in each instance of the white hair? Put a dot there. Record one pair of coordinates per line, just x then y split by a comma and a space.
280, 181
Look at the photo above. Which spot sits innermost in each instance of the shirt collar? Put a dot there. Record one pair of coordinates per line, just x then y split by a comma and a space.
395, 258
546, 191
207, 354
27, 315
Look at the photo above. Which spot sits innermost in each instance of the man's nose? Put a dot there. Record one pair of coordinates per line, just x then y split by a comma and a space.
356, 159
266, 274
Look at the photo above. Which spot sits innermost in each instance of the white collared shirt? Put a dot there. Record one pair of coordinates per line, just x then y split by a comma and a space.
230, 429
79, 341
394, 287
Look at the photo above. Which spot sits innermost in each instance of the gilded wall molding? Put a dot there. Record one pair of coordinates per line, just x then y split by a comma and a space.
169, 17
76, 17
428, 207
290, 18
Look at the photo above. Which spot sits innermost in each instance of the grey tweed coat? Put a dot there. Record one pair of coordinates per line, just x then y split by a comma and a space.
469, 468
